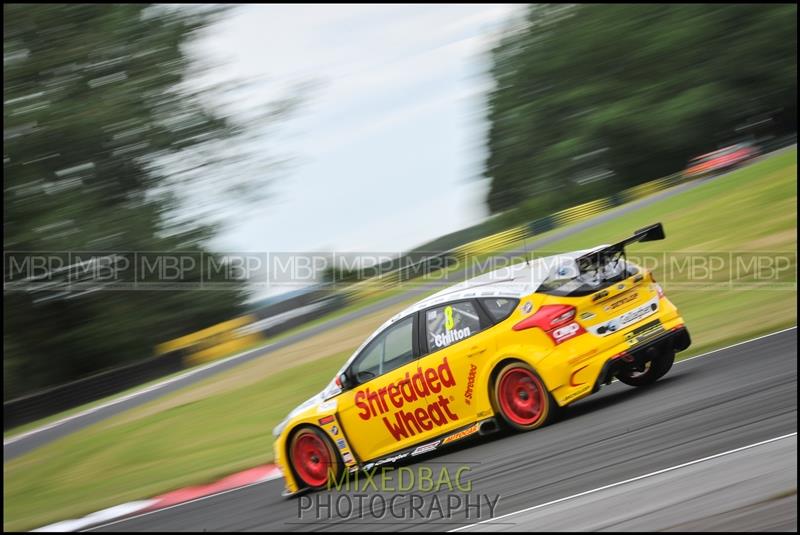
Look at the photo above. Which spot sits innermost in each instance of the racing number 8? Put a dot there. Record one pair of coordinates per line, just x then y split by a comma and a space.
448, 318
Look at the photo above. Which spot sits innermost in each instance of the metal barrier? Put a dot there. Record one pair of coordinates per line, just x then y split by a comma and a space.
67, 396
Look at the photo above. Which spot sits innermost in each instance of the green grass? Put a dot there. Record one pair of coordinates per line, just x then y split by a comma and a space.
115, 461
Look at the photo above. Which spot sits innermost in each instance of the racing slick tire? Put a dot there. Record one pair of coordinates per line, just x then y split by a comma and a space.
521, 398
655, 370
312, 457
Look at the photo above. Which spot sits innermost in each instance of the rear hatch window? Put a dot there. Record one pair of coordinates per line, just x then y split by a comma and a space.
566, 281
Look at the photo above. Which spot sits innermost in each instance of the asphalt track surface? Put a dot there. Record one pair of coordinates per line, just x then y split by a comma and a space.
26, 442
732, 398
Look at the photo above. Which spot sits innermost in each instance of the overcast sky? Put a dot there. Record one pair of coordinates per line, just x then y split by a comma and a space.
389, 144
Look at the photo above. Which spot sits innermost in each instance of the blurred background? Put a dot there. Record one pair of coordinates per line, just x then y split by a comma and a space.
222, 133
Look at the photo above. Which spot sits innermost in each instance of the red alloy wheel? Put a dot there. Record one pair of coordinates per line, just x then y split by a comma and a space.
311, 457
521, 396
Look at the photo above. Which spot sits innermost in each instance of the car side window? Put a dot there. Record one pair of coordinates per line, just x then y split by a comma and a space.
499, 308
451, 323
388, 351
368, 364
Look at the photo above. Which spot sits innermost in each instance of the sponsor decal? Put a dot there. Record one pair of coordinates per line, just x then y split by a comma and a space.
587, 316
389, 401
628, 318
471, 430
566, 332
340, 443
625, 300
644, 333
450, 337
609, 327
326, 420
390, 459
639, 313
347, 457
599, 295
425, 448
473, 370
334, 430
527, 307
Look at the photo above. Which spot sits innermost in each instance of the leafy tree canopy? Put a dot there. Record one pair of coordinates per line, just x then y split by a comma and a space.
104, 140
628, 93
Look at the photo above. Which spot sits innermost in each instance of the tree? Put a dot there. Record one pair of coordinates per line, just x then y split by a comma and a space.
646, 86
103, 137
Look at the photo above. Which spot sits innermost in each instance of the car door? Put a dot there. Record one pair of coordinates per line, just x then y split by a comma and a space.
380, 394
456, 336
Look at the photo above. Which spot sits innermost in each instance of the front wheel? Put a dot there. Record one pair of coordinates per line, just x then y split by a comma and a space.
313, 457
653, 370
521, 398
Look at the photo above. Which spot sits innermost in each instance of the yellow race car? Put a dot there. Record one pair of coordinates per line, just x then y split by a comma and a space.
507, 348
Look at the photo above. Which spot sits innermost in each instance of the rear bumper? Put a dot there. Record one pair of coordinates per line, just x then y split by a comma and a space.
676, 339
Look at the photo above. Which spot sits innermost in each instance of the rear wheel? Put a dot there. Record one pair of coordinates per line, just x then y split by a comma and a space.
652, 372
521, 398
313, 457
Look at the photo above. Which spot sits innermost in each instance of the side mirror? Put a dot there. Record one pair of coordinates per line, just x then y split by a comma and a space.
342, 381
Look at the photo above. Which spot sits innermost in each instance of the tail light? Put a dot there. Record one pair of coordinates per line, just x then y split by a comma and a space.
658, 286
558, 321
660, 291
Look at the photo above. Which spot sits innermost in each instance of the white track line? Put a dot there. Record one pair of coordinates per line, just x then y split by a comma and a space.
100, 516
738, 344
618, 483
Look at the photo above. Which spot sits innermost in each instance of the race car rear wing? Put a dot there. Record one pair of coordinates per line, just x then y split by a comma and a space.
596, 259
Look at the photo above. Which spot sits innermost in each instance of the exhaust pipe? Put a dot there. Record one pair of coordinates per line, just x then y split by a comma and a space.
489, 426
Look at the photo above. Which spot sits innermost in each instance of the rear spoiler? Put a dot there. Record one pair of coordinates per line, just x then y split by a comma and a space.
592, 261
